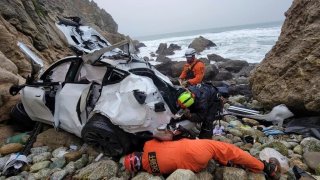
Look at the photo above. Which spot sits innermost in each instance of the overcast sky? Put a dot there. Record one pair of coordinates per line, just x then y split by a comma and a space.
149, 17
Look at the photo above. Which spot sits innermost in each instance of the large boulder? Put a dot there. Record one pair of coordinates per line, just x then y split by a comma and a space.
163, 59
201, 43
164, 50
234, 66
246, 70
290, 72
211, 72
223, 75
216, 58
171, 68
174, 47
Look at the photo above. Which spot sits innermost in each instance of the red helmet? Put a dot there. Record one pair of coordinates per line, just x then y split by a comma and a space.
132, 162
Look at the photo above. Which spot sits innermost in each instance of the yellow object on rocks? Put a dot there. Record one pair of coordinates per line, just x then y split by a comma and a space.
10, 148
73, 156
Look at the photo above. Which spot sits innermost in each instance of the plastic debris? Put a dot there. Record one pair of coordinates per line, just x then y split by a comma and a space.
268, 153
73, 147
98, 157
16, 161
271, 131
218, 130
19, 138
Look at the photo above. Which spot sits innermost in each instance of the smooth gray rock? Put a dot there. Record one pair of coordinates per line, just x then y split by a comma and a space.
231, 173
41, 157
83, 161
38, 166
59, 175
146, 176
204, 176
256, 176
182, 174
310, 144
57, 163
312, 159
42, 174
39, 150
70, 167
59, 152
97, 170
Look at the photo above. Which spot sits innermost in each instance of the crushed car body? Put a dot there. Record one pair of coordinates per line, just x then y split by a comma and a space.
106, 96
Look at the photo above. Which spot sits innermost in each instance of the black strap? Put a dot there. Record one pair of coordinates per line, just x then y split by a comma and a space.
194, 64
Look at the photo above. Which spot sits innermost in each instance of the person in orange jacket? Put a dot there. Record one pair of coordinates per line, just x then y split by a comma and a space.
193, 71
164, 157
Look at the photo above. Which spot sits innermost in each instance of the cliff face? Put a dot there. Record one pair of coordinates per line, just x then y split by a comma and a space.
290, 72
33, 22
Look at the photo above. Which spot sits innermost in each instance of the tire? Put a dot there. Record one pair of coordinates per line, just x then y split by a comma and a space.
101, 133
20, 118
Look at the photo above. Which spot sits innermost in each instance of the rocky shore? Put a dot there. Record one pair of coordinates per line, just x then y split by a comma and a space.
60, 155
289, 75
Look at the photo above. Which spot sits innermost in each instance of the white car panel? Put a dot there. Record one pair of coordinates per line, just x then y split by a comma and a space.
118, 103
33, 100
67, 100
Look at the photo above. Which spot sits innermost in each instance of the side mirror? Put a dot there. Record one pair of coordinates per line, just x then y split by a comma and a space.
35, 61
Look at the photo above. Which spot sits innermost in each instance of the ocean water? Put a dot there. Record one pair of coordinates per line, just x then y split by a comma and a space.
247, 42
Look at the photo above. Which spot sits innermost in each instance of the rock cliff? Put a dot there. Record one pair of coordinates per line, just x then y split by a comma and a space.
33, 22
290, 72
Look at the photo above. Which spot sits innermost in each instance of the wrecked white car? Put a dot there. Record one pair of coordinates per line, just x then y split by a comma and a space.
109, 97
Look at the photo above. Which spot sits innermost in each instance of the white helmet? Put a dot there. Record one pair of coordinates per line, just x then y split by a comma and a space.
190, 52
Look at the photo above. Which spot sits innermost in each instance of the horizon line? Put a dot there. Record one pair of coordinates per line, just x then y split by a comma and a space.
206, 29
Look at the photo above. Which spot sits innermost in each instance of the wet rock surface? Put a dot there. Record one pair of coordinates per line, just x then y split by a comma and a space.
60, 161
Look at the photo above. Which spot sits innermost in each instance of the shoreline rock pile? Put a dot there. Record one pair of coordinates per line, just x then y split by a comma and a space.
69, 159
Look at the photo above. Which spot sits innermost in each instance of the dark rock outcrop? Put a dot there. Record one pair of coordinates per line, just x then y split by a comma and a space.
201, 43
138, 45
290, 72
174, 47
215, 57
163, 59
234, 66
163, 49
223, 75
171, 68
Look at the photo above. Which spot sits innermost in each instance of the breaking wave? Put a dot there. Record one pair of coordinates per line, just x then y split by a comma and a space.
243, 44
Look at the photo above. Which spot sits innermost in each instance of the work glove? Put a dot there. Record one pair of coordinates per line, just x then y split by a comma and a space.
183, 83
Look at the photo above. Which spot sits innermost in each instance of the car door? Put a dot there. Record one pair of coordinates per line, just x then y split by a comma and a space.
39, 98
75, 100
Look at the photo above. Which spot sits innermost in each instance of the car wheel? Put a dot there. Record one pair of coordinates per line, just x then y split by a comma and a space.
21, 118
109, 138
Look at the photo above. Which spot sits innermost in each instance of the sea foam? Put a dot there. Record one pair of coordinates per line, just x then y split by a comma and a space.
244, 44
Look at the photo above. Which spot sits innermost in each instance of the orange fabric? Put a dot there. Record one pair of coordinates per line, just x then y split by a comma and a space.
195, 155
198, 71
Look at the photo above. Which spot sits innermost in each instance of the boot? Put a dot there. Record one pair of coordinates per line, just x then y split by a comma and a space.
205, 134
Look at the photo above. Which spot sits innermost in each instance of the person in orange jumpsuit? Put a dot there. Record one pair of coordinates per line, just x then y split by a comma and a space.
164, 157
193, 71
